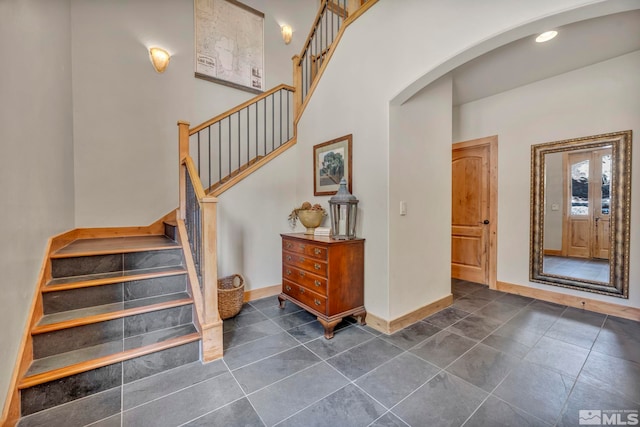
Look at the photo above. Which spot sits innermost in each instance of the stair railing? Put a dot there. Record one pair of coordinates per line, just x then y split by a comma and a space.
197, 218
233, 144
317, 49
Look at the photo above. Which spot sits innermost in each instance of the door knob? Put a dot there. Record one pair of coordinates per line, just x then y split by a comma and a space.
485, 222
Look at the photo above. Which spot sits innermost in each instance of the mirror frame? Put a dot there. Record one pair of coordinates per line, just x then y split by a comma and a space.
620, 208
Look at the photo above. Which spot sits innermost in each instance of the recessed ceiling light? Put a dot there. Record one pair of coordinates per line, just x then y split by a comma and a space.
546, 36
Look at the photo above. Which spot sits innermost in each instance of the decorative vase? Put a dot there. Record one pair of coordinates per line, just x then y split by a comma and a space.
310, 219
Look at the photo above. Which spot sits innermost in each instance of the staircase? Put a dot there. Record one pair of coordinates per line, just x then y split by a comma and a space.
115, 310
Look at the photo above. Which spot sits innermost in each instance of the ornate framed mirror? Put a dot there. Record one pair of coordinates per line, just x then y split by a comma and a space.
580, 213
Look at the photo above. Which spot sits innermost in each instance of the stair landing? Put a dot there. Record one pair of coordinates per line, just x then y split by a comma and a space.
110, 245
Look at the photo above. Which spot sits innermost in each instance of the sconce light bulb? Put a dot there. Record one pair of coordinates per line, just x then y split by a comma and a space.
159, 58
287, 33
546, 36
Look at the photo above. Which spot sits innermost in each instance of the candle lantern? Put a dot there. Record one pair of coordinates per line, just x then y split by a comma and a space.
343, 208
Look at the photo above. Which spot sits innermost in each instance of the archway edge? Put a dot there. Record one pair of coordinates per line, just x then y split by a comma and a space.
582, 13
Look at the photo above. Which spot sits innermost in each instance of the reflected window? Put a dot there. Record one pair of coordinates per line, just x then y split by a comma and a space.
580, 188
606, 183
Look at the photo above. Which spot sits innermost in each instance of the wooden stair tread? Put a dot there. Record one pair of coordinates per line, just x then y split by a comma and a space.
85, 316
75, 282
115, 245
104, 360
85, 354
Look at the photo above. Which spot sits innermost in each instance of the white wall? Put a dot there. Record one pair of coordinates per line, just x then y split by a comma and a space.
36, 164
420, 241
125, 113
593, 100
386, 50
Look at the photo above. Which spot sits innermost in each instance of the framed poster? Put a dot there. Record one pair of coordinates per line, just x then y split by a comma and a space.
229, 43
331, 162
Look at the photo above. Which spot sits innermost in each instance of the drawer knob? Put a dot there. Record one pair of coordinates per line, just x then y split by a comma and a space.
301, 273
317, 266
317, 251
317, 282
288, 272
288, 257
317, 301
302, 290
287, 287
288, 245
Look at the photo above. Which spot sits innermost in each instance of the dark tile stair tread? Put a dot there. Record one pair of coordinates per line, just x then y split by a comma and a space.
109, 278
66, 316
114, 245
62, 360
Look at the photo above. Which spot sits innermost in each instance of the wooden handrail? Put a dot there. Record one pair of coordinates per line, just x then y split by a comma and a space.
195, 179
312, 31
240, 107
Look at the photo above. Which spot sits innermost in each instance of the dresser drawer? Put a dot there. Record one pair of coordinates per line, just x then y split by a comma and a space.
302, 261
307, 249
305, 296
304, 278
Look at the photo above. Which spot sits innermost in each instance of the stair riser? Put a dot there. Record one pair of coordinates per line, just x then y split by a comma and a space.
171, 231
71, 388
73, 299
69, 339
94, 264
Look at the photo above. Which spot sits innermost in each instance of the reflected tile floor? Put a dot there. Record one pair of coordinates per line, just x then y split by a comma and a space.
491, 359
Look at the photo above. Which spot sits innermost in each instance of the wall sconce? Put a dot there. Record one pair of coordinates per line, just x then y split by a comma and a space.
287, 33
159, 58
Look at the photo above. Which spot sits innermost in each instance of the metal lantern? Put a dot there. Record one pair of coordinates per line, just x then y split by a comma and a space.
343, 207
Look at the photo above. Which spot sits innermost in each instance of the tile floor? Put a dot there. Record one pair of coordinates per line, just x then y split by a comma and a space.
492, 359
580, 268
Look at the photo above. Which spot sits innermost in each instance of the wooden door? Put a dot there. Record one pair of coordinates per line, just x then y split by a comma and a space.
473, 216
587, 221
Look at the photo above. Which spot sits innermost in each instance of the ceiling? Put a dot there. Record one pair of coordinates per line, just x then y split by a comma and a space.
524, 61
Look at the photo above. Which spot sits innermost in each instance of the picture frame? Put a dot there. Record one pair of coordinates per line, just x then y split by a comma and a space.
229, 44
331, 162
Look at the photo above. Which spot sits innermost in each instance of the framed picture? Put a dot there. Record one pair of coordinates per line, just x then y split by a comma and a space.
331, 162
229, 44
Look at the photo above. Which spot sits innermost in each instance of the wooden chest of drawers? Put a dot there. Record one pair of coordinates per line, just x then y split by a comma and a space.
325, 277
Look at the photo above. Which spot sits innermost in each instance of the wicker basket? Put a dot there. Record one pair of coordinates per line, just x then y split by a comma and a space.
230, 295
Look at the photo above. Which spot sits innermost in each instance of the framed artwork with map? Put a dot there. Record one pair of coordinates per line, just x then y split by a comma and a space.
229, 44
331, 162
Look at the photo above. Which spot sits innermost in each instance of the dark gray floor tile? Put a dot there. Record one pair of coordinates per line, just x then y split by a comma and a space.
286, 397
311, 331
343, 340
67, 389
156, 386
536, 390
613, 375
270, 307
347, 407
470, 303
499, 310
619, 338
112, 421
558, 355
443, 348
578, 327
267, 371
238, 413
79, 412
465, 287
532, 320
547, 307
483, 367
585, 397
250, 333
266, 303
451, 401
475, 327
412, 335
185, 405
446, 317
292, 320
519, 333
488, 293
242, 355
517, 300
388, 420
497, 413
507, 345
247, 316
396, 379
362, 359
153, 363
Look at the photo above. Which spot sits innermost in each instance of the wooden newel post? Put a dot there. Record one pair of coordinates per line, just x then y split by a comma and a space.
297, 83
352, 6
212, 329
183, 152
